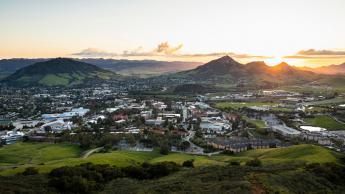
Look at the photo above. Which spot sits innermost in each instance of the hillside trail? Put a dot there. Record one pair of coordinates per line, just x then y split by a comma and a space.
256, 187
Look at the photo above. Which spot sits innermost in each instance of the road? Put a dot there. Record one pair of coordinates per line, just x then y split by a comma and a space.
194, 149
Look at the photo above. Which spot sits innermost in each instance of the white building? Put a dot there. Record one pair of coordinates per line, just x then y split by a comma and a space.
285, 130
57, 126
12, 136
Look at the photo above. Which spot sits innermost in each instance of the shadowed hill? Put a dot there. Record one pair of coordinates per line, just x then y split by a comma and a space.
57, 72
227, 70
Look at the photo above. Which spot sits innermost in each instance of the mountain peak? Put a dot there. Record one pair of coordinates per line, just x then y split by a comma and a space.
60, 60
225, 59
257, 63
282, 64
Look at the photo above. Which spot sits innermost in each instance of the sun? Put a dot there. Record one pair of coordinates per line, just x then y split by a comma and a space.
274, 61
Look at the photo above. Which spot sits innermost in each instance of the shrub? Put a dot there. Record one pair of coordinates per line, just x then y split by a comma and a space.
256, 162
235, 163
188, 163
228, 152
164, 150
30, 171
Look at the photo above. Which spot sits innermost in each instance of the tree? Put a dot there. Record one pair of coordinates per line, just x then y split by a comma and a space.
164, 150
130, 139
171, 127
185, 145
85, 140
198, 134
188, 163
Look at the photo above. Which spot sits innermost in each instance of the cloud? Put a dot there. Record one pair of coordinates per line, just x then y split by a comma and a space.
317, 54
93, 52
136, 52
231, 54
163, 49
320, 52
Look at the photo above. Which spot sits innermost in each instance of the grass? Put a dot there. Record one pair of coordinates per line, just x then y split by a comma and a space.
256, 122
179, 158
53, 80
325, 121
237, 105
45, 157
308, 89
329, 102
35, 153
307, 153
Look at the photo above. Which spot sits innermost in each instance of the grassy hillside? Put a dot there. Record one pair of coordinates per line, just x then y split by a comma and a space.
307, 153
15, 158
36, 153
284, 170
57, 72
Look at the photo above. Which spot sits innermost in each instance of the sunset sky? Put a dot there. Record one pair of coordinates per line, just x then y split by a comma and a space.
300, 32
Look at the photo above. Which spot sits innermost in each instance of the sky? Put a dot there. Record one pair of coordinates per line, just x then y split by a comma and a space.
300, 32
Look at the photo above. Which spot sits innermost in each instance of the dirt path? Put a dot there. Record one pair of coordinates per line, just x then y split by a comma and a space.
256, 187
89, 152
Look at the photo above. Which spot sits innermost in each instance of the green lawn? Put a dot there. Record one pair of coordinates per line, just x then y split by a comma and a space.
325, 121
45, 157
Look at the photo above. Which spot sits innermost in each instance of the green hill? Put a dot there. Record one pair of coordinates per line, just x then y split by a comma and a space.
57, 72
44, 156
284, 170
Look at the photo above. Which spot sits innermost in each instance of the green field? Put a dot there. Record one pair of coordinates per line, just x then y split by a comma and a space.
45, 157
237, 105
325, 121
328, 102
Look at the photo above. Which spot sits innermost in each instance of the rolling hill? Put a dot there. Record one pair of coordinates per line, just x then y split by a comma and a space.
227, 70
295, 169
141, 67
57, 72
45, 156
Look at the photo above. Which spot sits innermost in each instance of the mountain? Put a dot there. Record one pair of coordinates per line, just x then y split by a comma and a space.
331, 69
141, 67
226, 70
120, 66
9, 66
57, 72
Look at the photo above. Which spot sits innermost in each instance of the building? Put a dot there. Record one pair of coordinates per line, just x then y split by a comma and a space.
285, 131
184, 113
12, 136
80, 112
214, 125
57, 126
157, 122
240, 144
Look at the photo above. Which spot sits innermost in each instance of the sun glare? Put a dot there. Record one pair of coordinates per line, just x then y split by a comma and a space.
274, 61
